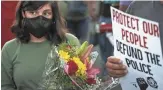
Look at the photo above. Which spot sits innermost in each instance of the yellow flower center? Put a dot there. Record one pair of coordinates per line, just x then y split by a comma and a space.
64, 55
81, 67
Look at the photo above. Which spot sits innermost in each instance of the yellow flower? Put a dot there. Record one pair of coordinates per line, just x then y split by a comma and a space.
81, 67
64, 55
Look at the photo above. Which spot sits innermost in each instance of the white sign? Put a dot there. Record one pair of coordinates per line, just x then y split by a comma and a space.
137, 44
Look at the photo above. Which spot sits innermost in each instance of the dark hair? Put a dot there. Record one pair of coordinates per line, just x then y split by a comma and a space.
55, 35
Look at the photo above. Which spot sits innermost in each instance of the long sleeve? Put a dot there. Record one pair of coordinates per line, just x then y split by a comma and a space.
7, 82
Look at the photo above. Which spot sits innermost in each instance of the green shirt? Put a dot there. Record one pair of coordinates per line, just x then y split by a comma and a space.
23, 64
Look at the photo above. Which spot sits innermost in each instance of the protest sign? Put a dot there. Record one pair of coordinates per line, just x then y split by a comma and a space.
137, 44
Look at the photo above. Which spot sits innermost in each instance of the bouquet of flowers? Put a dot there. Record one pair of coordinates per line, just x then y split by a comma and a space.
69, 67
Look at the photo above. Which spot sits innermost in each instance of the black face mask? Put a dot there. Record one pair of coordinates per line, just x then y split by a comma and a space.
38, 26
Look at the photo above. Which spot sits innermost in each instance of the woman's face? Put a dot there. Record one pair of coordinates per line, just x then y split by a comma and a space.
44, 10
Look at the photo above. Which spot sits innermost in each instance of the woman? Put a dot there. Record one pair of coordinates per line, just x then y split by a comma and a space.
38, 25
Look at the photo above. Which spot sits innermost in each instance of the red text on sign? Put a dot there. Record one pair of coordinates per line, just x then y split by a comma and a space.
134, 38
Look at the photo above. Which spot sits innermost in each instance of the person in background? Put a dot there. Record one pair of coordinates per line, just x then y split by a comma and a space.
78, 17
38, 27
151, 10
100, 38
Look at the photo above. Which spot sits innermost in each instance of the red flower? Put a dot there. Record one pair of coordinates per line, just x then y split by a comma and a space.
91, 81
72, 67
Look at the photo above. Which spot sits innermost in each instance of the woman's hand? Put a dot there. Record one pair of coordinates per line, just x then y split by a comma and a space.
115, 67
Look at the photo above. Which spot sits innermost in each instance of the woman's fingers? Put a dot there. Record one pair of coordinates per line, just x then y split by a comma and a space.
113, 59
117, 73
115, 67
115, 64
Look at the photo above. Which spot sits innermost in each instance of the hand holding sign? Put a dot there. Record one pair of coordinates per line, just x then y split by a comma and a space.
115, 67
137, 44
